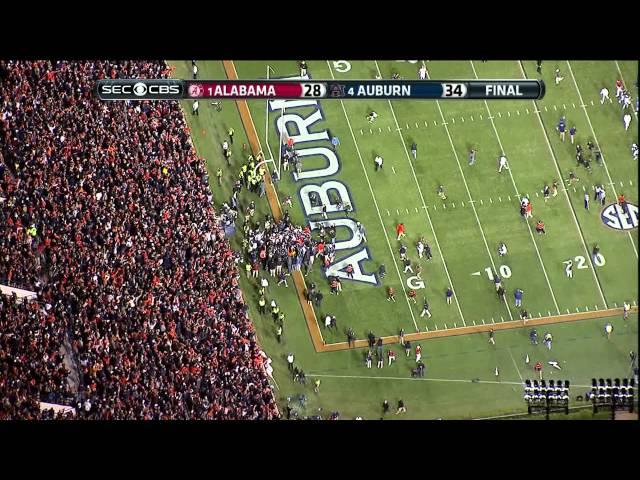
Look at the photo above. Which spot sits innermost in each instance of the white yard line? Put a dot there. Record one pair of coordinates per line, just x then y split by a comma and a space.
435, 238
515, 364
473, 207
566, 194
451, 380
375, 203
599, 146
544, 270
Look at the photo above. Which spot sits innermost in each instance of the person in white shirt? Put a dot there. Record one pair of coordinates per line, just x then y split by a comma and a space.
568, 269
378, 161
422, 73
327, 321
290, 361
195, 108
627, 121
372, 116
502, 249
420, 247
502, 163
634, 151
604, 95
195, 71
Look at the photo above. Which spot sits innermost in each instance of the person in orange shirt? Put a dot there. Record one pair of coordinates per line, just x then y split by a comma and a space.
529, 210
400, 231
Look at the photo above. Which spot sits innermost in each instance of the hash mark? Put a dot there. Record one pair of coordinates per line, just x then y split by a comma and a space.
371, 131
539, 316
444, 205
527, 111
555, 109
615, 304
393, 168
490, 200
596, 307
592, 101
508, 114
564, 106
574, 189
379, 130
568, 311
463, 204
416, 124
586, 308
407, 126
397, 211
545, 108
435, 123
621, 184
472, 118
389, 127
574, 105
509, 197
388, 213
490, 117
501, 318
483, 321
425, 123
407, 210
361, 132
537, 194
481, 202
480, 117
445, 326
577, 309
474, 322
549, 312
584, 189
416, 209
453, 120
492, 320
518, 112
499, 115
500, 199
454, 205
462, 118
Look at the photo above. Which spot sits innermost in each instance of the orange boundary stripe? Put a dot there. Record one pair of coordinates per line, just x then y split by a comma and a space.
298, 279
276, 209
450, 332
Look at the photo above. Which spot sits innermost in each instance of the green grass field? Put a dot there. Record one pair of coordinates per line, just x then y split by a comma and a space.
481, 210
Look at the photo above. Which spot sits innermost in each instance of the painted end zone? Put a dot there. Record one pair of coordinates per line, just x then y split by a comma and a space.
276, 210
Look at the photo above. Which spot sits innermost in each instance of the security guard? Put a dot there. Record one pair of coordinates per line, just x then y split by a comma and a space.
275, 310
262, 302
230, 133
219, 176
279, 333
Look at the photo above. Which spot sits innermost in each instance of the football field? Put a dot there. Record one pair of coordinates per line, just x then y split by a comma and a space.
481, 210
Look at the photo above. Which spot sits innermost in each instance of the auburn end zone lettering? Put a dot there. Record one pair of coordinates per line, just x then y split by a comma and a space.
614, 216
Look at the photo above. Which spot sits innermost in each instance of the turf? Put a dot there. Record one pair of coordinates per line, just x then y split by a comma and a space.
464, 239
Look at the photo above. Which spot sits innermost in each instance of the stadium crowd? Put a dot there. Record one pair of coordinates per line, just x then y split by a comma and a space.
107, 215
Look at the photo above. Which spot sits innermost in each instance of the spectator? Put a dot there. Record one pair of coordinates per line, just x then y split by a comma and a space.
125, 253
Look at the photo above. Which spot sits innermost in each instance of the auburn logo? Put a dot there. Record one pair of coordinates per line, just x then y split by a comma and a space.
619, 218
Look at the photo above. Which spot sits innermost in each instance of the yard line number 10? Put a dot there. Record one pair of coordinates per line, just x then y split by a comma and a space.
505, 271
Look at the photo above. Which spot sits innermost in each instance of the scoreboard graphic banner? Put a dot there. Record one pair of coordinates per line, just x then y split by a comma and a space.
161, 89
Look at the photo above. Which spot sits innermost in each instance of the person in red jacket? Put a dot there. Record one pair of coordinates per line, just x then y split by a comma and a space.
538, 368
400, 231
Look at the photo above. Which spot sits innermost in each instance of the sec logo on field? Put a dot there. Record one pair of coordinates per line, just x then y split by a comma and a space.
614, 216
